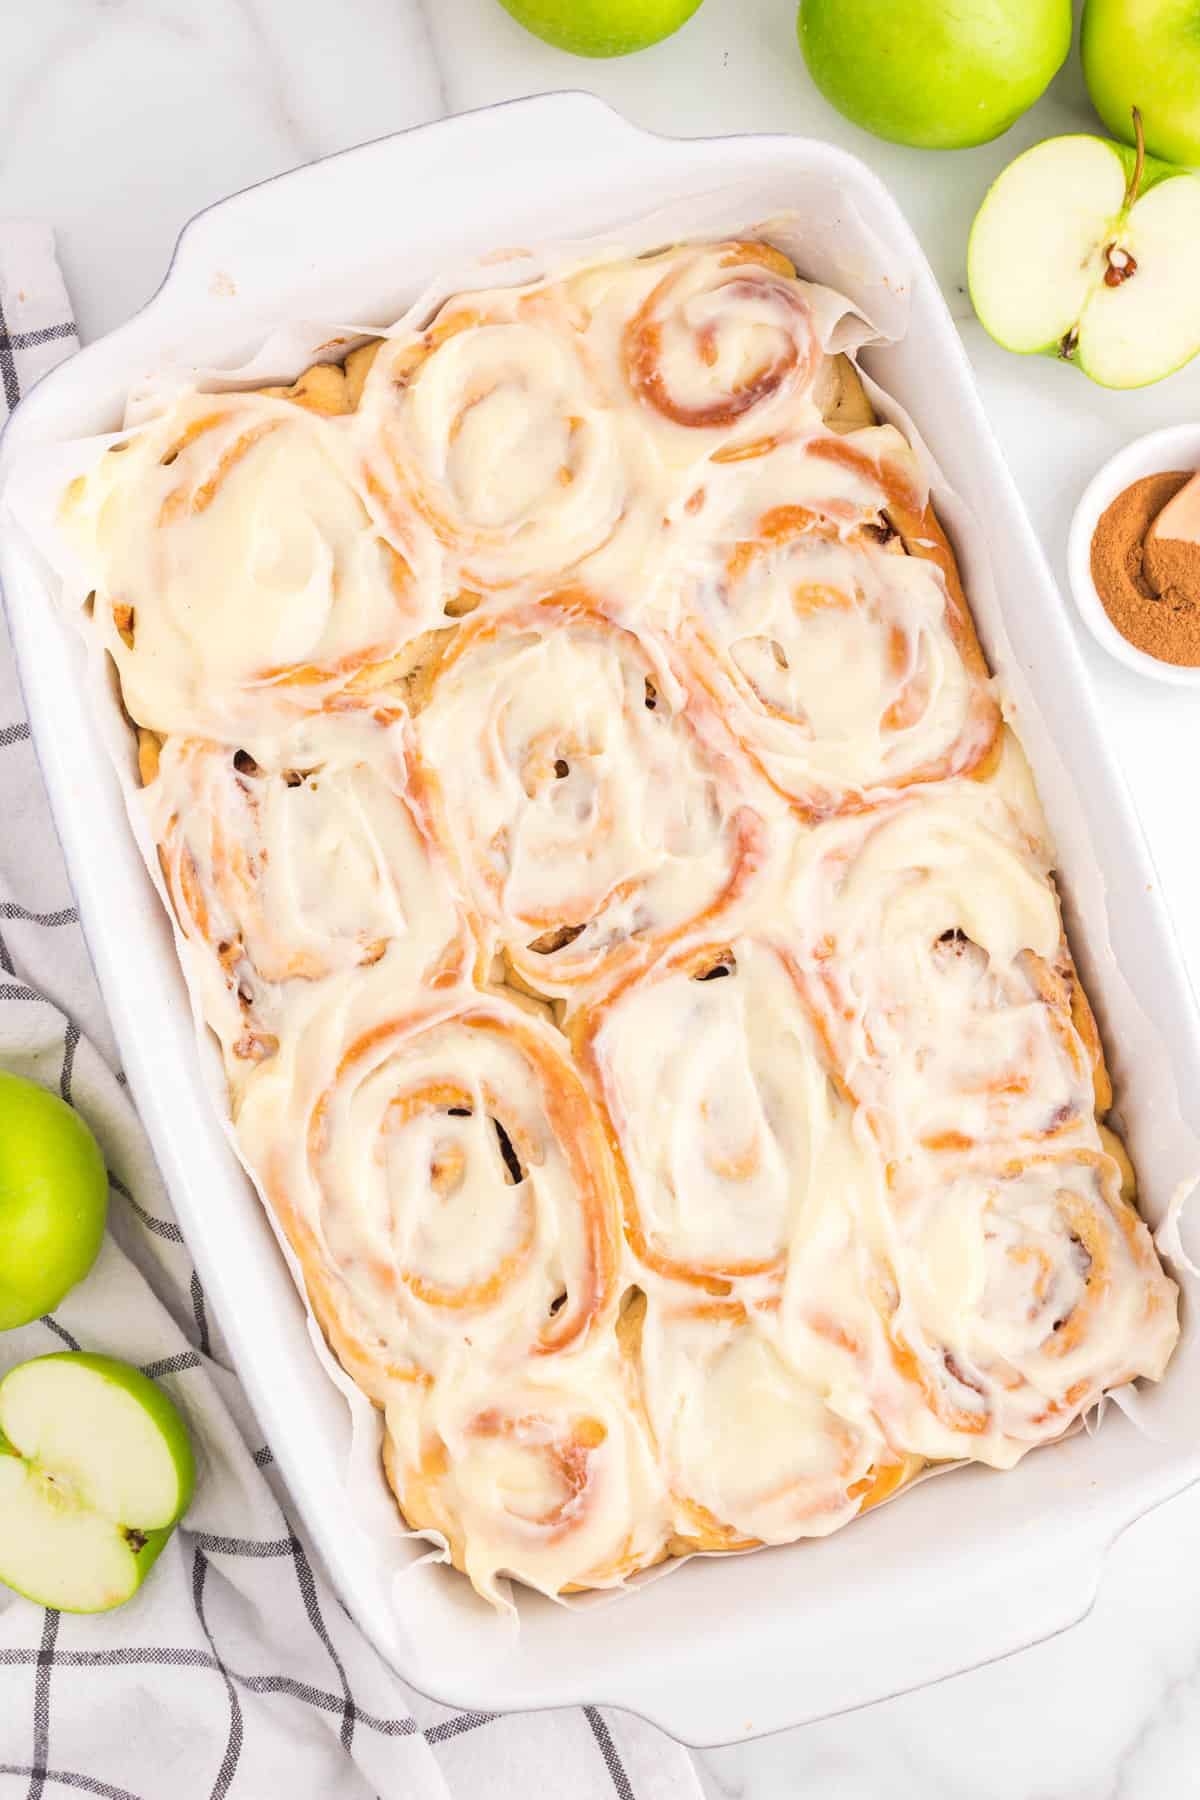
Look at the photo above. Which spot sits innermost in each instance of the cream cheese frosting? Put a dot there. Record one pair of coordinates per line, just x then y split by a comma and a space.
244, 580
721, 1166
286, 872
628, 926
589, 819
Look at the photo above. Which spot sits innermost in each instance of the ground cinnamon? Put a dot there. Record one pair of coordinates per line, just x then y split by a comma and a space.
1150, 588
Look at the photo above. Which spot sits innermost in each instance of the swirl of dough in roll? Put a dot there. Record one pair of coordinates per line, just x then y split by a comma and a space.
548, 1476
490, 426
240, 580
713, 341
310, 865
590, 824
753, 1451
842, 668
1023, 1290
929, 942
446, 1183
862, 486
722, 1109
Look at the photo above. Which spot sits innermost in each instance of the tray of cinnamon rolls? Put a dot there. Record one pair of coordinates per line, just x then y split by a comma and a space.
627, 920
621, 937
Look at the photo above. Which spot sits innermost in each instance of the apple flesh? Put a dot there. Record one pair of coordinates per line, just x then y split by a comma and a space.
1089, 251
922, 72
53, 1200
1146, 53
95, 1471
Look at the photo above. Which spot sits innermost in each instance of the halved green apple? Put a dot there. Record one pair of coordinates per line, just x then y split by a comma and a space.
1089, 251
95, 1471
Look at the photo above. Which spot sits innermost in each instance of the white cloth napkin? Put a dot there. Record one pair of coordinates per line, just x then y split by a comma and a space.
235, 1671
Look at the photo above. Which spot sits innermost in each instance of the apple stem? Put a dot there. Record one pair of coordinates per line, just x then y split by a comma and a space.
1139, 160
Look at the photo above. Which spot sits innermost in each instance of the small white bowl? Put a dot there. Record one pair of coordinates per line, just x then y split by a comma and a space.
1176, 447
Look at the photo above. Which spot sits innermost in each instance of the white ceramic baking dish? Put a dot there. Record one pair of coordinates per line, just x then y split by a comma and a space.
962, 1570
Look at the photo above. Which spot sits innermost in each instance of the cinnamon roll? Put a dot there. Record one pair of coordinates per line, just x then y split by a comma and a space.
722, 1111
843, 668
445, 1183
548, 1476
1024, 1288
821, 614
313, 864
929, 942
715, 343
240, 580
754, 1449
586, 816
489, 428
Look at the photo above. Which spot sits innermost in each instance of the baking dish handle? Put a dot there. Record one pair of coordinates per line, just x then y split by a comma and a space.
972, 1618
217, 255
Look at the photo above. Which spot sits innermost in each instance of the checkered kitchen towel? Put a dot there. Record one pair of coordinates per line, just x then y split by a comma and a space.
234, 1672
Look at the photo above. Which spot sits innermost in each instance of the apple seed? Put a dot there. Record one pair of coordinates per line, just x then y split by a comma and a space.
1121, 265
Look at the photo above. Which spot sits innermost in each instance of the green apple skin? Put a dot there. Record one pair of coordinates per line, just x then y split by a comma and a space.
937, 76
166, 1419
1146, 53
601, 27
53, 1200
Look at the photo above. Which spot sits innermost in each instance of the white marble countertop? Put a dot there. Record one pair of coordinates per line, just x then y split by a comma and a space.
121, 118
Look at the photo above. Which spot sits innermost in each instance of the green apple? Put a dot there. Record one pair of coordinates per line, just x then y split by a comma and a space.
95, 1472
928, 73
53, 1200
601, 27
1146, 53
1085, 250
